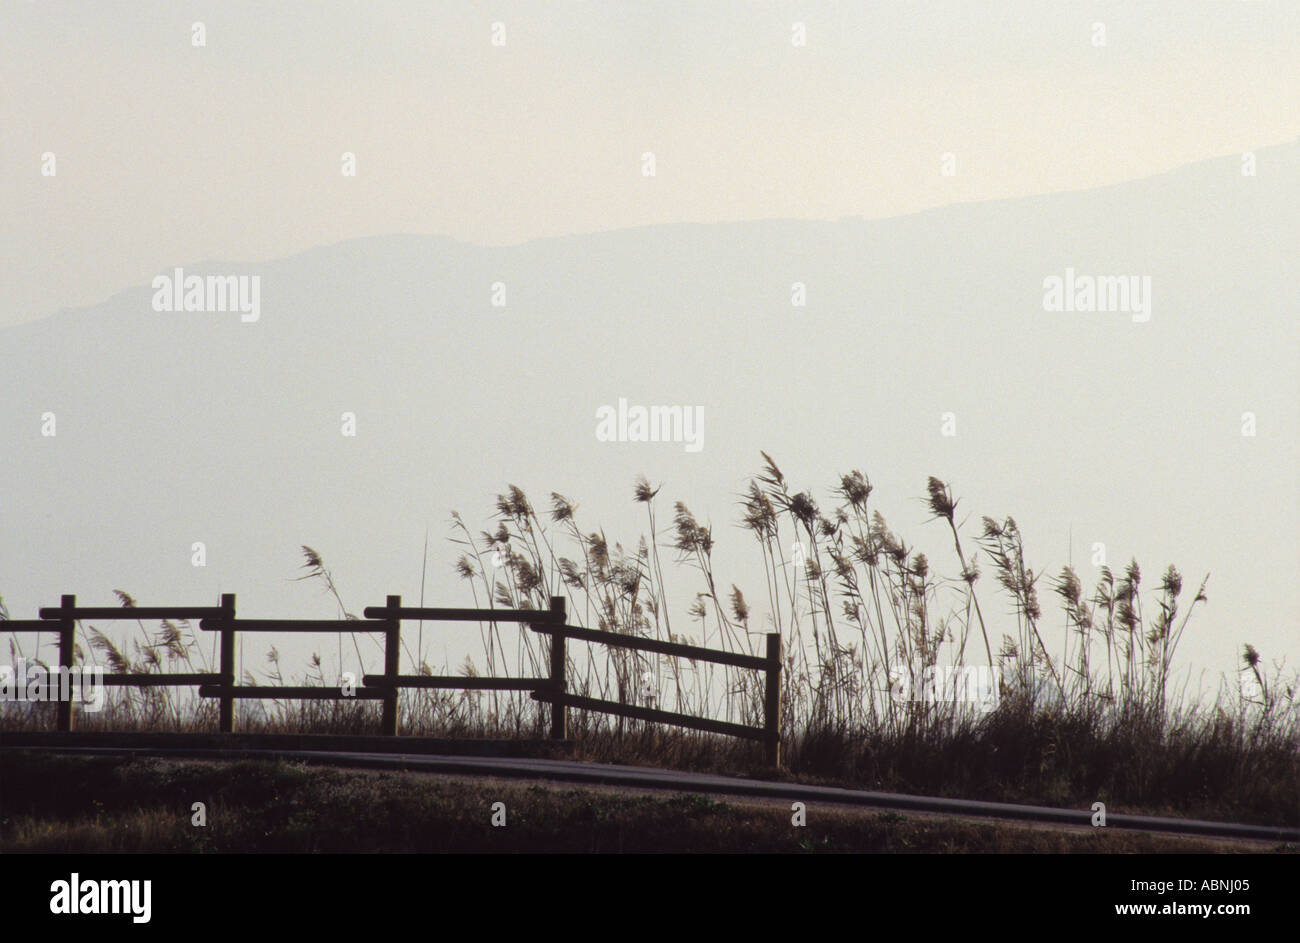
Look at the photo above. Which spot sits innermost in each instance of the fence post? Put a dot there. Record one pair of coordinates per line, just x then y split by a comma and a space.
559, 713
226, 712
67, 648
772, 701
392, 651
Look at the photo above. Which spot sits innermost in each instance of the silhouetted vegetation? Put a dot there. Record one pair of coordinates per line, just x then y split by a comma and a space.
147, 805
866, 622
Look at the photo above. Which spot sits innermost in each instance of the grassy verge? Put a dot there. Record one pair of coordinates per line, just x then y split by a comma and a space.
109, 804
892, 679
1066, 759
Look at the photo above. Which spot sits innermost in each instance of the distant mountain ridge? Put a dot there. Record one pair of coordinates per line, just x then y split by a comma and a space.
177, 427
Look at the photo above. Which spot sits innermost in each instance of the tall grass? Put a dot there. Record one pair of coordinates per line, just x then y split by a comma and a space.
863, 616
865, 620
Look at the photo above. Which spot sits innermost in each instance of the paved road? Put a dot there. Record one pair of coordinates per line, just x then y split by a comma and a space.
647, 778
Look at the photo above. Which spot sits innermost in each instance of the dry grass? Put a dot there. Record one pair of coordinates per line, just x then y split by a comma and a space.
863, 616
145, 806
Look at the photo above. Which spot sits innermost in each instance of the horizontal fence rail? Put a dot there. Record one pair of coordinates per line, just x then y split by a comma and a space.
387, 619
128, 613
285, 692
160, 680
653, 714
693, 652
465, 615
769, 733
462, 682
293, 625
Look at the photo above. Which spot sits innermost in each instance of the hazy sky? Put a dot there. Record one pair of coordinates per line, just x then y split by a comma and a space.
169, 154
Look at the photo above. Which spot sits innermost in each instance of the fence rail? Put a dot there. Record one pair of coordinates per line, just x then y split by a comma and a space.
161, 680
213, 624
769, 733
387, 619
679, 649
538, 616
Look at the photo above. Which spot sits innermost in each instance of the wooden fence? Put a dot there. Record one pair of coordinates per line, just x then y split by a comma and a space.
387, 619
